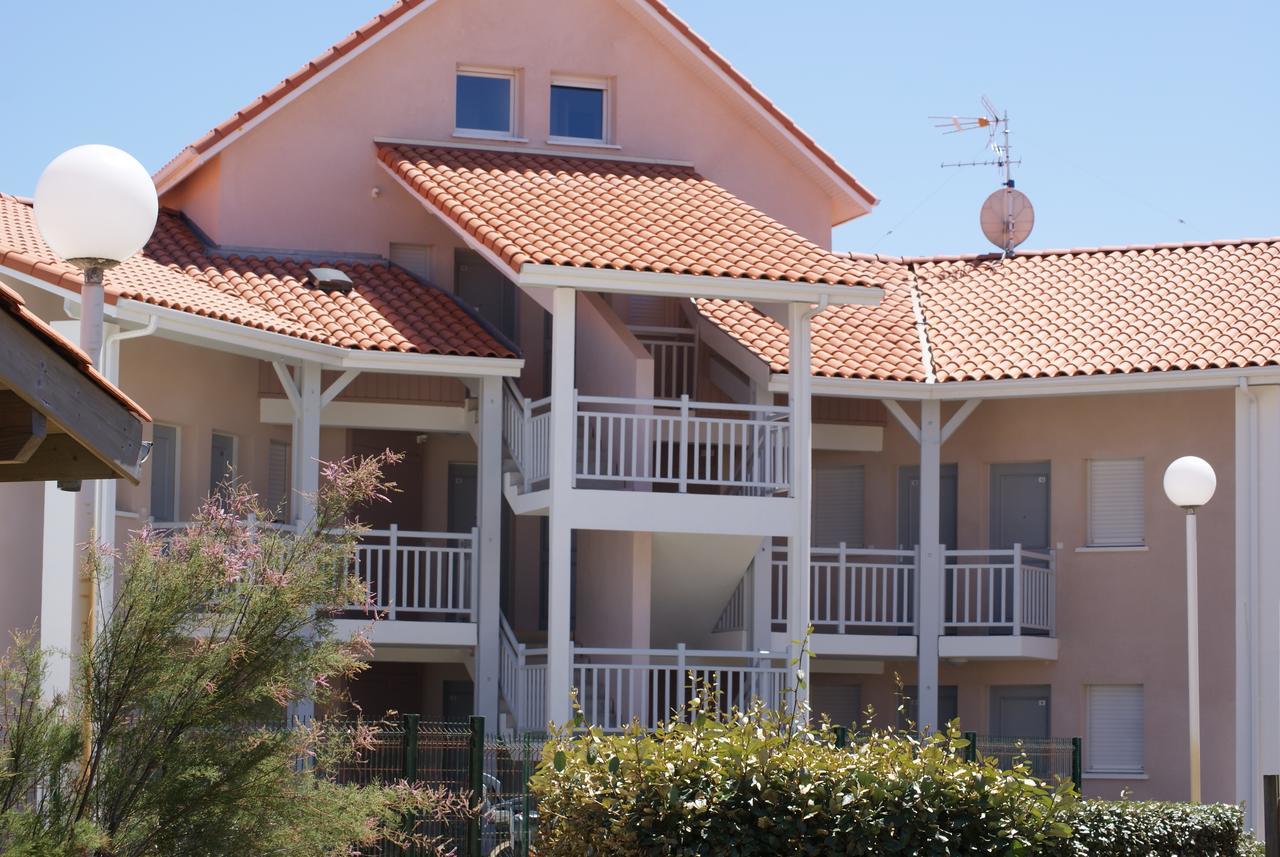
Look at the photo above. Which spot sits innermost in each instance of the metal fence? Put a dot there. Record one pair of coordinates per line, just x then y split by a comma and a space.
461, 758
1051, 759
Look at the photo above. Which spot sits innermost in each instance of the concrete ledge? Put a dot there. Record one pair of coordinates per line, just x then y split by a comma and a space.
642, 511
389, 633
999, 648
874, 646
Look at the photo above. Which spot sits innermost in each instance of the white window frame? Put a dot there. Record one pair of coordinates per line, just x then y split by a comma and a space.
605, 85
177, 476
1091, 769
513, 117
1092, 540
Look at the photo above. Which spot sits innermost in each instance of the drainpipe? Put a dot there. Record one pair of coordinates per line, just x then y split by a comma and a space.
1248, 738
105, 523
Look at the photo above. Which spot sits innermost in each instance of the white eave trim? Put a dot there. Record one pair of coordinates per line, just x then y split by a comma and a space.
693, 285
187, 162
238, 338
1077, 385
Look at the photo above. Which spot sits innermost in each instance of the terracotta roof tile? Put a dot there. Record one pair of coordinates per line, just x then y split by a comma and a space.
386, 310
595, 213
1044, 314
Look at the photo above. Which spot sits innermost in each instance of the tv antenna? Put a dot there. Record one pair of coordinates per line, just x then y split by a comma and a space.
1007, 216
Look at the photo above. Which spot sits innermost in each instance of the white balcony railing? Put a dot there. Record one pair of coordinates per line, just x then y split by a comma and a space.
1008, 590
682, 444
418, 576
853, 590
856, 590
644, 443
616, 687
675, 352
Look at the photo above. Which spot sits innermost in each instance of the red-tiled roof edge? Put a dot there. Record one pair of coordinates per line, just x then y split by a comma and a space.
379, 22
1069, 251
16, 306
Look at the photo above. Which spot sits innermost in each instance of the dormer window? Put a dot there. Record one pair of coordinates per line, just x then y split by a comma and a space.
579, 110
486, 103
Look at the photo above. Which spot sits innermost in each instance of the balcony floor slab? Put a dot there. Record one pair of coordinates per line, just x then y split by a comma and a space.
876, 646
1022, 648
393, 633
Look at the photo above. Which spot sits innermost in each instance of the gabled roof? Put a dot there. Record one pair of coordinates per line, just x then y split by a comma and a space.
403, 9
594, 213
385, 310
1044, 314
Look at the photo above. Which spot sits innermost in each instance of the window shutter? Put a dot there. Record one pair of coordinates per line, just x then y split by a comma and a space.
414, 258
1117, 515
163, 461
278, 479
842, 703
1114, 742
838, 506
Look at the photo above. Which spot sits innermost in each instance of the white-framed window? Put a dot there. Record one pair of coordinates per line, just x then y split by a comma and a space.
1114, 734
838, 504
579, 110
485, 102
164, 473
1117, 502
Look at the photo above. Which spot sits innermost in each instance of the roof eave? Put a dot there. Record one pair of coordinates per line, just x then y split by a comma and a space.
694, 285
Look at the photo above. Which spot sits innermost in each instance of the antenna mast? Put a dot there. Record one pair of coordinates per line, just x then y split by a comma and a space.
1007, 216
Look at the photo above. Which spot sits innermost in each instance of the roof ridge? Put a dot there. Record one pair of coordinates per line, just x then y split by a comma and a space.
922, 327
1069, 251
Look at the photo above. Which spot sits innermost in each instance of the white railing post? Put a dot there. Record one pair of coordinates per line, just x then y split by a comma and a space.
1053, 592
471, 575
1017, 590
578, 440
842, 589
525, 458
393, 567
680, 677
684, 443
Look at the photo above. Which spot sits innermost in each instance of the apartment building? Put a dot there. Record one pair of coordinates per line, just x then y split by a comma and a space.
563, 256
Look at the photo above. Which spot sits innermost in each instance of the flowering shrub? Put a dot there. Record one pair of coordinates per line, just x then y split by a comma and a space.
212, 630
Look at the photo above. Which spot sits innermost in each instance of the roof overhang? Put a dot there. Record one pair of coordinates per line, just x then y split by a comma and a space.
694, 286
1012, 388
61, 422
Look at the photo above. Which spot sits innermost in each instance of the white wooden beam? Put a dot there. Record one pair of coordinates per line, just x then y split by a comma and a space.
929, 567
489, 548
285, 374
799, 552
560, 531
335, 389
958, 418
903, 418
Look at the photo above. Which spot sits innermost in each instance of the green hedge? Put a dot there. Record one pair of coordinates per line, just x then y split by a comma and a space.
1142, 828
752, 785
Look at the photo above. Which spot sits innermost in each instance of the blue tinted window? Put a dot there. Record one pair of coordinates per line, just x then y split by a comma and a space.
577, 111
484, 103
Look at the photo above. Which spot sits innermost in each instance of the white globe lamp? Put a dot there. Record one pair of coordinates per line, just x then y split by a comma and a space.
95, 206
1189, 483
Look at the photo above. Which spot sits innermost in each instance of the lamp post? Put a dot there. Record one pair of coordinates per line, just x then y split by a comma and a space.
95, 206
1189, 483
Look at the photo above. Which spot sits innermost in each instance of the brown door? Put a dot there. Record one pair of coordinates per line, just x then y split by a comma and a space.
406, 506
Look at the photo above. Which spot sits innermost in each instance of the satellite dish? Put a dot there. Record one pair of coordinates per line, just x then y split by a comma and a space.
1007, 218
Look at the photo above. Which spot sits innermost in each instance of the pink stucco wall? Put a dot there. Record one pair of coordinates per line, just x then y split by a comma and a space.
302, 179
1121, 615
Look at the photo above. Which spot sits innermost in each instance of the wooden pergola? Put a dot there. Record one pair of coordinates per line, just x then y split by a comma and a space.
60, 420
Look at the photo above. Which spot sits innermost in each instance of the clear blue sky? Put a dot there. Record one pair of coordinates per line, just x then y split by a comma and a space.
1130, 116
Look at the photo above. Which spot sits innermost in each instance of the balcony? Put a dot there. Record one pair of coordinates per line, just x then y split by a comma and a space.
422, 588
672, 445
616, 687
864, 602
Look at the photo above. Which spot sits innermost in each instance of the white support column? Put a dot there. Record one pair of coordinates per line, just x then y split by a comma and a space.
487, 563
560, 531
306, 442
760, 629
799, 552
930, 572
1257, 592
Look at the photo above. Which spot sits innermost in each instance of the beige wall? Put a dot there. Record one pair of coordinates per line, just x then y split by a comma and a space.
1120, 615
267, 190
